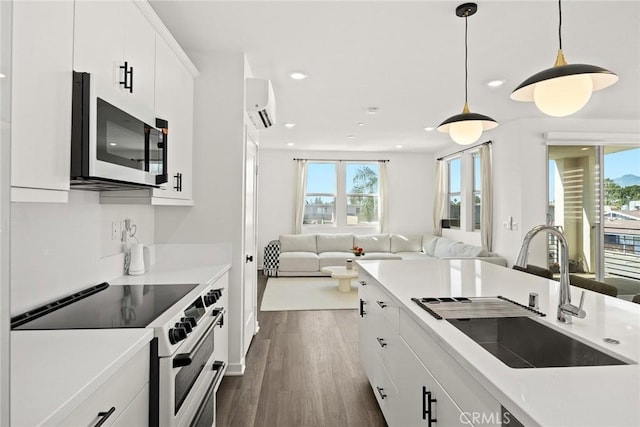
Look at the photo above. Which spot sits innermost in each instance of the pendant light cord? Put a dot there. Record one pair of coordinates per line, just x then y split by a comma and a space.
466, 60
560, 23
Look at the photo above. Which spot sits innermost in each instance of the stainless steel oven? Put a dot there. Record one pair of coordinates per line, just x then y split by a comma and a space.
191, 375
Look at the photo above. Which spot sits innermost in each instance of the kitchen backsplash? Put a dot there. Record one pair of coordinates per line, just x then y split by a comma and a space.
57, 249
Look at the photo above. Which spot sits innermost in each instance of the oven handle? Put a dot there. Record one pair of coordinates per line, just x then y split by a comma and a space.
184, 359
218, 366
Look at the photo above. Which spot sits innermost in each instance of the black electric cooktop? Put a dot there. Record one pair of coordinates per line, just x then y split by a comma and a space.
104, 306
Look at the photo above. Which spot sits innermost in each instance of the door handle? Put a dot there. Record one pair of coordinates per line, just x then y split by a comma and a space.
249, 258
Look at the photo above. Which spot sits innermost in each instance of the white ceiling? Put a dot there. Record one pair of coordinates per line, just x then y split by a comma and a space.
407, 59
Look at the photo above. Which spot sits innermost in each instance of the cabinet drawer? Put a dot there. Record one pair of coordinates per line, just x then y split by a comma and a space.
384, 339
384, 390
379, 302
117, 392
137, 413
467, 393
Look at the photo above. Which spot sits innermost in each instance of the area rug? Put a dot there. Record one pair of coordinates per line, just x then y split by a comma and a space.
307, 293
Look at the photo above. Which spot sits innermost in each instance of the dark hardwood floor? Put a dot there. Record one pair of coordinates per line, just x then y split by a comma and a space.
302, 370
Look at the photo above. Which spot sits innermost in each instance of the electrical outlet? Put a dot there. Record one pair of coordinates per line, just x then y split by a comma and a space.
115, 232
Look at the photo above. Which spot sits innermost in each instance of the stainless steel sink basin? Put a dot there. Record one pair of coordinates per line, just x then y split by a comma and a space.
520, 342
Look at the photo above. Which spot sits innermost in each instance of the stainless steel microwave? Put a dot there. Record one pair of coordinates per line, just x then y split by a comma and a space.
111, 149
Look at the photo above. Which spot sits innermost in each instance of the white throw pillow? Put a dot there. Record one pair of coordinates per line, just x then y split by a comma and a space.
400, 243
468, 251
298, 243
444, 247
335, 242
429, 244
373, 242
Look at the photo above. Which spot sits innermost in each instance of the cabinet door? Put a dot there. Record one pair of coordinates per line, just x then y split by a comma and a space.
41, 100
421, 396
366, 348
174, 103
108, 33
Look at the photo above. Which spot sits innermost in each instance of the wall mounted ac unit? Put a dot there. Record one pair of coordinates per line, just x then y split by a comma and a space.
261, 103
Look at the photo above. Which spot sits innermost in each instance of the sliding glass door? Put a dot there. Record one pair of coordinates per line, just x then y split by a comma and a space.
594, 196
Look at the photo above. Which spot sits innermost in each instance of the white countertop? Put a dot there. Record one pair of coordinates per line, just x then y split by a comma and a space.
53, 372
574, 396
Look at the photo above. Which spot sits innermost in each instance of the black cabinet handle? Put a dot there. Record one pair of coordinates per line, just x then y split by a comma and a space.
249, 258
363, 283
427, 409
128, 76
362, 312
381, 393
104, 416
381, 342
382, 304
178, 177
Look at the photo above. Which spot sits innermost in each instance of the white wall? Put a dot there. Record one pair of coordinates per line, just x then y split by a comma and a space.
520, 177
410, 184
218, 176
60, 248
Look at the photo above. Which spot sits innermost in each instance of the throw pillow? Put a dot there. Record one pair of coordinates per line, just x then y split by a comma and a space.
335, 242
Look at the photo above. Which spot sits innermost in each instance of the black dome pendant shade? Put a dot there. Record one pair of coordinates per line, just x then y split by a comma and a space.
593, 79
467, 127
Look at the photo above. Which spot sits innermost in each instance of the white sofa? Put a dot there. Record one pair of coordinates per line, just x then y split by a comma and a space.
307, 254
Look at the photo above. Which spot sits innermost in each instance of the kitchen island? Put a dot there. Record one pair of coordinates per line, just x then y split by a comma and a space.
470, 385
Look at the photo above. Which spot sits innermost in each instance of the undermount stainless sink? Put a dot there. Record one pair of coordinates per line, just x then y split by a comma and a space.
521, 342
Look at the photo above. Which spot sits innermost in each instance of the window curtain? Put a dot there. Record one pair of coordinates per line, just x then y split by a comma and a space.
383, 203
301, 188
440, 196
486, 206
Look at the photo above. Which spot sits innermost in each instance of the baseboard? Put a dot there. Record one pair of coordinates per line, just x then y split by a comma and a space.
235, 369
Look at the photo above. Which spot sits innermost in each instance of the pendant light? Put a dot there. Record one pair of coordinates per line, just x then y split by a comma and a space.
467, 127
563, 89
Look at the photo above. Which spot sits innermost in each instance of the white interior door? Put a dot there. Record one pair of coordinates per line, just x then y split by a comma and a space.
250, 244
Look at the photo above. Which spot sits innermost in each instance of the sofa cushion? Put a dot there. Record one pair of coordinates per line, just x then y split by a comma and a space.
299, 261
335, 242
400, 243
327, 259
298, 243
379, 256
429, 244
373, 242
413, 255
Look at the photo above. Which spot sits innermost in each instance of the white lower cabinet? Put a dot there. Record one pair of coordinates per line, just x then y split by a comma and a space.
123, 400
416, 383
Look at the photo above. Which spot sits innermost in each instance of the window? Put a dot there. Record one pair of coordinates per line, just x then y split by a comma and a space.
477, 191
454, 175
342, 193
361, 189
320, 200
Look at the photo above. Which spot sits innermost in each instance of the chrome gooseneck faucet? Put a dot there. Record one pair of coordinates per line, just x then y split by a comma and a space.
565, 309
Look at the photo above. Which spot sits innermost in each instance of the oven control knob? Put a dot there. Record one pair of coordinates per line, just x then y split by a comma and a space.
190, 320
210, 299
177, 334
186, 326
218, 292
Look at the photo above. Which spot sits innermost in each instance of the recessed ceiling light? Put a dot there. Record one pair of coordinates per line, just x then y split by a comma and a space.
113, 144
291, 144
297, 75
360, 124
399, 146
496, 83
289, 125
351, 136
429, 128
372, 110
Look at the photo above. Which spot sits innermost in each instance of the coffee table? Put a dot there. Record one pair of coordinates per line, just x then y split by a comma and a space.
343, 275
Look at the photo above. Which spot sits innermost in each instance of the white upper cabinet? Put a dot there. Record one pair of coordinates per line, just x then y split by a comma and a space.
41, 101
174, 103
115, 43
